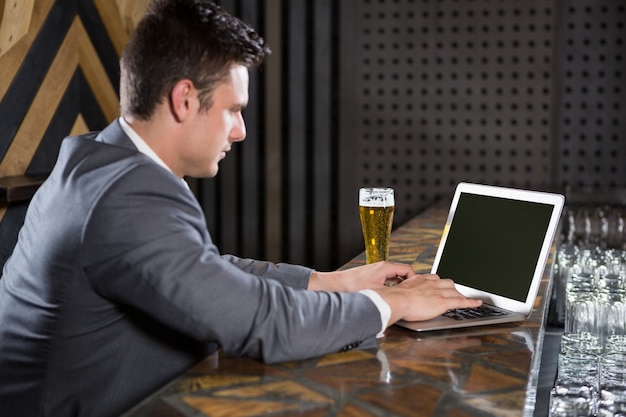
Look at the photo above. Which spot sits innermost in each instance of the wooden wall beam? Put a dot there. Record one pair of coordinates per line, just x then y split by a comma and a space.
20, 187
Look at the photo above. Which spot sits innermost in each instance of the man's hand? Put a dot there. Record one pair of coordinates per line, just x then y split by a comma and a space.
363, 277
423, 297
411, 298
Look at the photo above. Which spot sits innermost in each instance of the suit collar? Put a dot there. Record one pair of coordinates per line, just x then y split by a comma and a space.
113, 134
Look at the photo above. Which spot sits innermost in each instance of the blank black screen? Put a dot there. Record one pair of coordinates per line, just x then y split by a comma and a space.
493, 244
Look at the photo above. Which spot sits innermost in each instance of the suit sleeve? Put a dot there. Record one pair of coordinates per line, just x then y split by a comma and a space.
146, 247
292, 275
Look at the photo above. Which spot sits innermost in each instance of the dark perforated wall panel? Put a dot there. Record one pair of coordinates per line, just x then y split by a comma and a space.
592, 94
454, 90
516, 93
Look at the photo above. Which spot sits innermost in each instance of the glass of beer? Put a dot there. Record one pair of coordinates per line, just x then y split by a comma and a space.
376, 206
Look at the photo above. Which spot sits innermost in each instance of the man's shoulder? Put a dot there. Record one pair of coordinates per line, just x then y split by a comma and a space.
109, 148
108, 160
112, 139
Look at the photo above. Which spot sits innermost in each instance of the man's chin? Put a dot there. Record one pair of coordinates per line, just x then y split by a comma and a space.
204, 174
212, 173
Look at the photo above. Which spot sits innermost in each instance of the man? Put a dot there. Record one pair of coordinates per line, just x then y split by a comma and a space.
115, 286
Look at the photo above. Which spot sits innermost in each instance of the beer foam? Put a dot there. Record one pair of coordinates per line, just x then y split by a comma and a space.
376, 197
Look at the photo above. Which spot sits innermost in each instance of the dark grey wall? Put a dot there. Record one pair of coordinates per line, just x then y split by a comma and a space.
417, 95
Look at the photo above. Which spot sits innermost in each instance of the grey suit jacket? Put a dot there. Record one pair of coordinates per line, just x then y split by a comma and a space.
115, 287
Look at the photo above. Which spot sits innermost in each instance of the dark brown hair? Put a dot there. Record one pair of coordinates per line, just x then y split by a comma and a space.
183, 39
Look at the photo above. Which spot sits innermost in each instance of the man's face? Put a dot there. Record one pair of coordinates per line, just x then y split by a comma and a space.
212, 132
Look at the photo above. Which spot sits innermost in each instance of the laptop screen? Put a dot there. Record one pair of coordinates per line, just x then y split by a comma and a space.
494, 243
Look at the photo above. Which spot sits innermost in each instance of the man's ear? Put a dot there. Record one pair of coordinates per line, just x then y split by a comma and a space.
182, 99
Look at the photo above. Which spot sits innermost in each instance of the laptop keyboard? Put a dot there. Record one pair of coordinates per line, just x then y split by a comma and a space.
473, 313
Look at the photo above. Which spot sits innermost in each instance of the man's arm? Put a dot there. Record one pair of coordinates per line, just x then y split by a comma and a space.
147, 247
287, 274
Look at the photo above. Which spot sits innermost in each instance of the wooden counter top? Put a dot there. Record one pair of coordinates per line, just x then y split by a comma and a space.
485, 371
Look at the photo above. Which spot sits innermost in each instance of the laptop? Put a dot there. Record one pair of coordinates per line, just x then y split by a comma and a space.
494, 245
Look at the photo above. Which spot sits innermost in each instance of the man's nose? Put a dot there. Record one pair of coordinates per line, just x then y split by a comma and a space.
239, 131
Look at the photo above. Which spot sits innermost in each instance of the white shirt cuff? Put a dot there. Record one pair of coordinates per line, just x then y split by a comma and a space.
383, 308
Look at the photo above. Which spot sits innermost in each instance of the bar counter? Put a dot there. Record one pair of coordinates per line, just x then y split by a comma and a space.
485, 371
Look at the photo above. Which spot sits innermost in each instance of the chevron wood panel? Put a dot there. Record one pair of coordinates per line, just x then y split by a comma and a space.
14, 22
59, 75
